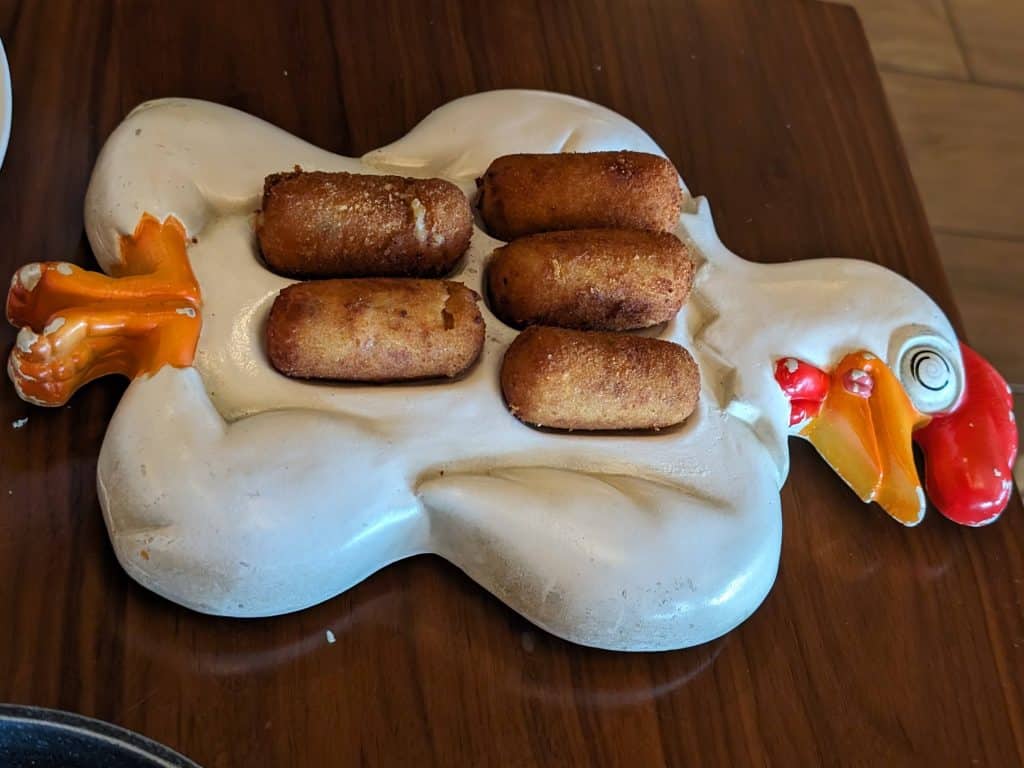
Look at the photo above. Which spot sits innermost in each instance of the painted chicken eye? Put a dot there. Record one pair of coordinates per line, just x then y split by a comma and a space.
929, 379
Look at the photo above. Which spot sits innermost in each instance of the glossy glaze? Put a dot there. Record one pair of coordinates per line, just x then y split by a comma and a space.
75, 326
971, 450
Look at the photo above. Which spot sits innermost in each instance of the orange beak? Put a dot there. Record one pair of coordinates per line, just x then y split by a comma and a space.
863, 430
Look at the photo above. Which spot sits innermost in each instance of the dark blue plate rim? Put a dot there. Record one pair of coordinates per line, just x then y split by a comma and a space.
96, 730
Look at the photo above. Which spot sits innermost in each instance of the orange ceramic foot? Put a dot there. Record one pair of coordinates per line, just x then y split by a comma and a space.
78, 325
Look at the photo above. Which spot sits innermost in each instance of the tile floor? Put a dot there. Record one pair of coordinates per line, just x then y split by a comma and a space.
954, 74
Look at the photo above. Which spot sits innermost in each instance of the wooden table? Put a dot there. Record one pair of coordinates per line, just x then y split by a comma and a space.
877, 645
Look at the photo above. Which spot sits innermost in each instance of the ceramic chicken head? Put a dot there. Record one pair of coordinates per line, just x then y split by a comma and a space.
233, 490
862, 416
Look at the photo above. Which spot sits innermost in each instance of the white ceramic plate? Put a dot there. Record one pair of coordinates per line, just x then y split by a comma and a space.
6, 102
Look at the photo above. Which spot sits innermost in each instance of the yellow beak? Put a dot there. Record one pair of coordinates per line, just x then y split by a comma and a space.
863, 431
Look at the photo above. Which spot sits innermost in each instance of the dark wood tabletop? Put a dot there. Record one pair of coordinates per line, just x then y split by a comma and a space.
878, 645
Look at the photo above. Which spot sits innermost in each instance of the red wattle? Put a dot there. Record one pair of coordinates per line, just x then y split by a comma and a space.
969, 453
804, 385
802, 410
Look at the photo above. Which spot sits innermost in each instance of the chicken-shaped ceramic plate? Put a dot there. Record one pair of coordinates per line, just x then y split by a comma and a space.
233, 490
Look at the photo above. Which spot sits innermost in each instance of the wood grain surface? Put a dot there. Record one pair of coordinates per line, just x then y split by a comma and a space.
878, 645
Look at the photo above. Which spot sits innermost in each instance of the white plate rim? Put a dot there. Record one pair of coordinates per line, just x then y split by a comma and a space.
6, 103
